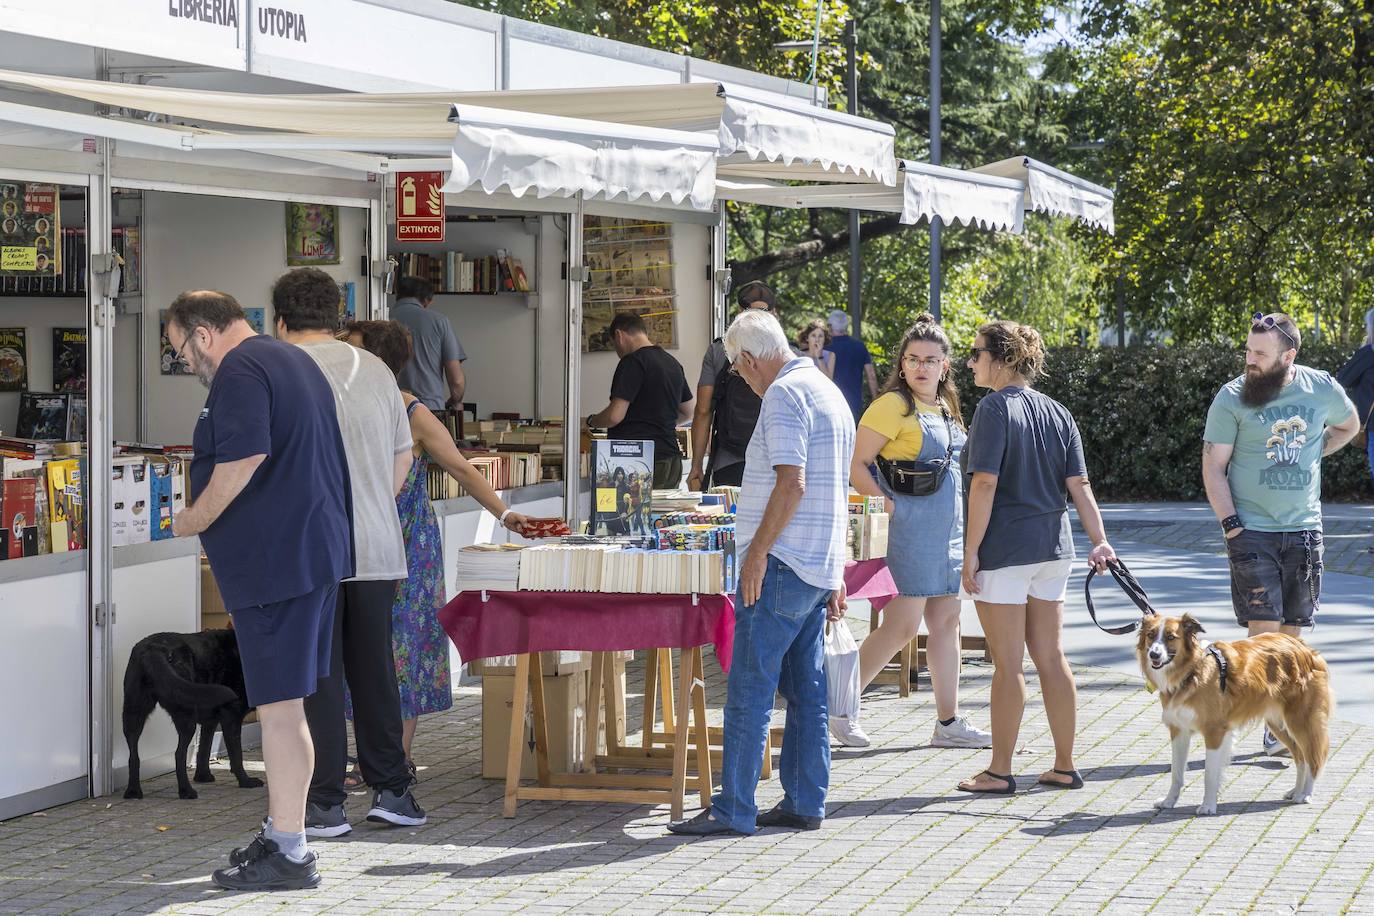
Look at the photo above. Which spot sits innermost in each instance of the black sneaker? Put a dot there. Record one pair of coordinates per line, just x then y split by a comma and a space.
264, 867
777, 817
400, 809
326, 822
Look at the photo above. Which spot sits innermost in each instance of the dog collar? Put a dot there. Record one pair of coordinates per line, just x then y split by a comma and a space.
1221, 664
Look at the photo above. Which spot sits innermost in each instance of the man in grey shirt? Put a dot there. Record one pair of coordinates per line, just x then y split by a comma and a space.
377, 446
435, 372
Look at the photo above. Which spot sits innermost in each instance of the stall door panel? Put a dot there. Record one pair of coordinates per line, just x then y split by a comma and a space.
44, 665
158, 597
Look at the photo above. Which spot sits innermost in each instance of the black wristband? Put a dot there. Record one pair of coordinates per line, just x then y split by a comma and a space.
1231, 523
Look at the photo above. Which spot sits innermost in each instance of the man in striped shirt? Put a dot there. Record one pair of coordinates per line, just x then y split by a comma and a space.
790, 536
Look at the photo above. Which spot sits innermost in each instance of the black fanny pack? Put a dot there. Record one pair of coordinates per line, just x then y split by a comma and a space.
919, 478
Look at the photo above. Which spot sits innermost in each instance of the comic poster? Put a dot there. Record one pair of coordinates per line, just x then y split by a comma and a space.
169, 361
631, 270
624, 485
348, 303
14, 360
44, 415
312, 234
30, 227
68, 359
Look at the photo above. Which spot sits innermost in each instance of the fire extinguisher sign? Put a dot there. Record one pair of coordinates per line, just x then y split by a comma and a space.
419, 206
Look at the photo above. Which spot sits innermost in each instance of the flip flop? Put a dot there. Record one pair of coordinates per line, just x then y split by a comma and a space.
1075, 783
1009, 790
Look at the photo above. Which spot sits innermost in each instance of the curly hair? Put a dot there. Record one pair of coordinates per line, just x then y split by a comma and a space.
389, 341
306, 299
1016, 346
925, 329
818, 324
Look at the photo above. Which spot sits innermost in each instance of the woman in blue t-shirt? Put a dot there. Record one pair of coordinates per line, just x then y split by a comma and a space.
1357, 376
1024, 453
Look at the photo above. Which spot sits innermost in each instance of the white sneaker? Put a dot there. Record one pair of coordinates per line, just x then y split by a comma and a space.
959, 733
1273, 746
848, 732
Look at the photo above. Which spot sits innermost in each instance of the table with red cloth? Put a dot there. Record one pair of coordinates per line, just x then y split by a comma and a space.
870, 580
489, 624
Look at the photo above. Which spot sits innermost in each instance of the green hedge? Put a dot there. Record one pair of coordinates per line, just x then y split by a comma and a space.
1141, 411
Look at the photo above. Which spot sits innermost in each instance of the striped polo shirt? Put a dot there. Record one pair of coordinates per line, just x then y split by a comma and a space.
805, 421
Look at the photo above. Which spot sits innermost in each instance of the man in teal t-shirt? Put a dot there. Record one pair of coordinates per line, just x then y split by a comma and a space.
1266, 434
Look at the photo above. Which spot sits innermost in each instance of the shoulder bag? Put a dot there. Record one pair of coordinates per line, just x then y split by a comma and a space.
919, 478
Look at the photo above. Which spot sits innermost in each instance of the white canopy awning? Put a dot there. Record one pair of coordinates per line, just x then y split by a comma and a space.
1050, 190
760, 134
562, 157
926, 191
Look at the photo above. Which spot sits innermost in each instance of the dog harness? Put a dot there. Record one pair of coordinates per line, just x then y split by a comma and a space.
1221, 664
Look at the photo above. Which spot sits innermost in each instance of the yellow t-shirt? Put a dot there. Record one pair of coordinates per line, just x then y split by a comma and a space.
887, 417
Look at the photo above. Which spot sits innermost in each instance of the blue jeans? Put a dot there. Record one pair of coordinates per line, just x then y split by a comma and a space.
1369, 450
779, 648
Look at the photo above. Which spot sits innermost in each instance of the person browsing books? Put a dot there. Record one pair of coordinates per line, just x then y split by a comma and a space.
649, 398
435, 373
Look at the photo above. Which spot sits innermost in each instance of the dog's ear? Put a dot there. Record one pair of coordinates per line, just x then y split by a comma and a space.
1190, 625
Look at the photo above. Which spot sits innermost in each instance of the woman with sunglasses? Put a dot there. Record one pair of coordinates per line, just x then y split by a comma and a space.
1024, 453
915, 422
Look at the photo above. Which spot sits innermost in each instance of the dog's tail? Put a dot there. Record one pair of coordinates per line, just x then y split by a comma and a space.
190, 693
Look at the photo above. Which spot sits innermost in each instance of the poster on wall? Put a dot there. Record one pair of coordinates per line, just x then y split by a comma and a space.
257, 319
30, 227
631, 270
69, 359
312, 234
624, 483
348, 303
14, 360
169, 363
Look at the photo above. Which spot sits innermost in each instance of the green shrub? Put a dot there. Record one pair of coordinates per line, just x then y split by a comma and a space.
1141, 411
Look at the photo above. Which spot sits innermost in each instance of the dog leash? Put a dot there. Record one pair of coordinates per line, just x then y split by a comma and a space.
1130, 586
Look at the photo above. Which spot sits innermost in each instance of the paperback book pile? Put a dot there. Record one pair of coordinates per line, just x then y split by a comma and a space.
489, 567
611, 568
729, 496
703, 517
450, 272
867, 537
503, 470
565, 568
675, 500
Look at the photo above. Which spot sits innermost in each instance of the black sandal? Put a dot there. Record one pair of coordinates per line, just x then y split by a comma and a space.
1009, 790
354, 778
1075, 783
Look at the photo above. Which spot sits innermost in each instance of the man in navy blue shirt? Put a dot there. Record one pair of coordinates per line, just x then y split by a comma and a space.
271, 503
853, 364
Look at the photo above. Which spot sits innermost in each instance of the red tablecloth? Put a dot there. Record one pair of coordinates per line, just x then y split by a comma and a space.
509, 623
870, 579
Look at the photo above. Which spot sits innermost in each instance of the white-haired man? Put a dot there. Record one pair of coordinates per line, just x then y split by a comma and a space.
853, 364
789, 533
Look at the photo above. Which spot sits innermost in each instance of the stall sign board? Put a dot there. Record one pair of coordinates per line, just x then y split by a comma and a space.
419, 206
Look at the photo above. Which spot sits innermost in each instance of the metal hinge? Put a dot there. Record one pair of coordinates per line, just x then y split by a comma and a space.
578, 274
100, 614
723, 276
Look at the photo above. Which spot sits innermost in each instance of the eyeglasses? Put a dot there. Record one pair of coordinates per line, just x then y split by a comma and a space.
974, 351
1260, 322
912, 362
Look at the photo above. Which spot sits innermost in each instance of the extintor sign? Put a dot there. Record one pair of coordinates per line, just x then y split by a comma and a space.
419, 206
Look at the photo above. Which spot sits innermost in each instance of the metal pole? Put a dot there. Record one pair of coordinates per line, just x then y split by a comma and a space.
1120, 312
572, 373
935, 152
856, 308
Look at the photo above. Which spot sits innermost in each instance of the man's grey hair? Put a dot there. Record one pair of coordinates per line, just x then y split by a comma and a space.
839, 322
1369, 327
758, 333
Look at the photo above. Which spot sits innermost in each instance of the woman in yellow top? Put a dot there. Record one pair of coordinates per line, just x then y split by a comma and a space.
917, 418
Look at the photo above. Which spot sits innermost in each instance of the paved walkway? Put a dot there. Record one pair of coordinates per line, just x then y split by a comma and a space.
898, 838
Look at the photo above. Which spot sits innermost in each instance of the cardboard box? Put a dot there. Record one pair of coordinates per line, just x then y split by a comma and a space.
565, 704
160, 498
553, 664
211, 603
130, 522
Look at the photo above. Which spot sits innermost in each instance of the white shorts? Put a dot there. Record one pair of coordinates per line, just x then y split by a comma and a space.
1047, 581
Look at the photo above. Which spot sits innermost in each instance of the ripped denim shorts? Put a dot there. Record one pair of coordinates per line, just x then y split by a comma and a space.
1276, 576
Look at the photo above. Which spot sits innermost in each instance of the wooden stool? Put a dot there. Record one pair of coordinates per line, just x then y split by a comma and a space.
901, 675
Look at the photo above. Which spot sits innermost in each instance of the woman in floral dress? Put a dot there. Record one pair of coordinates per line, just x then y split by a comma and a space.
418, 641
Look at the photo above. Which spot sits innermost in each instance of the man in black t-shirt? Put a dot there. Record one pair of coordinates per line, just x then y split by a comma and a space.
649, 398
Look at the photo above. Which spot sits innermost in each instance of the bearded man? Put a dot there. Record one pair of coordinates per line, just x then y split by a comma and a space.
1267, 432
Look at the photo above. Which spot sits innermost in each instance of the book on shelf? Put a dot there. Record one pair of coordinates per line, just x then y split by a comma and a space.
44, 415
19, 505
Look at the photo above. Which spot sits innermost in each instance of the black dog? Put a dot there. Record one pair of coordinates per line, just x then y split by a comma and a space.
198, 679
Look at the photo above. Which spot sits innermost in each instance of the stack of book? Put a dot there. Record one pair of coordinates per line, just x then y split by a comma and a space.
613, 568
565, 567
489, 567
451, 272
701, 517
675, 500
868, 522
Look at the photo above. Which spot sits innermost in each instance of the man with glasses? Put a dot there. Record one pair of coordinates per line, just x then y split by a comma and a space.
1267, 432
726, 409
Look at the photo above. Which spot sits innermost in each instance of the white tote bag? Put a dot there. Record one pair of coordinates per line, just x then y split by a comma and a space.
841, 671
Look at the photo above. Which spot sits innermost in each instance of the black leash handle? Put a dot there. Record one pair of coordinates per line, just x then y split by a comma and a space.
1130, 586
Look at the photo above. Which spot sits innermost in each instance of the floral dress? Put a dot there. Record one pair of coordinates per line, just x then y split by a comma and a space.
418, 642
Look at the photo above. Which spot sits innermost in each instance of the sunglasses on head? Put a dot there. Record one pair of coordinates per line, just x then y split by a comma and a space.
1260, 322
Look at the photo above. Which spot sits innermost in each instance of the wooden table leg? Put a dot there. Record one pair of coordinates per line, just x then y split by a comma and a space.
517, 729
650, 698
594, 710
680, 736
615, 704
540, 721
665, 686
701, 734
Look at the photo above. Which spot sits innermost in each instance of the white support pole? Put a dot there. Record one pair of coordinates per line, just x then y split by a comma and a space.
99, 437
572, 389
377, 306
720, 277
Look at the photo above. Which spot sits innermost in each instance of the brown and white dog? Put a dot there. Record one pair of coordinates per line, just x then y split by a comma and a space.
1273, 677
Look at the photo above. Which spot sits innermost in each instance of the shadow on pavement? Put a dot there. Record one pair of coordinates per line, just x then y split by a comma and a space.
1082, 822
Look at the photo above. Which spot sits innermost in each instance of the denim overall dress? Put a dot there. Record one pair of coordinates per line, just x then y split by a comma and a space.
925, 539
